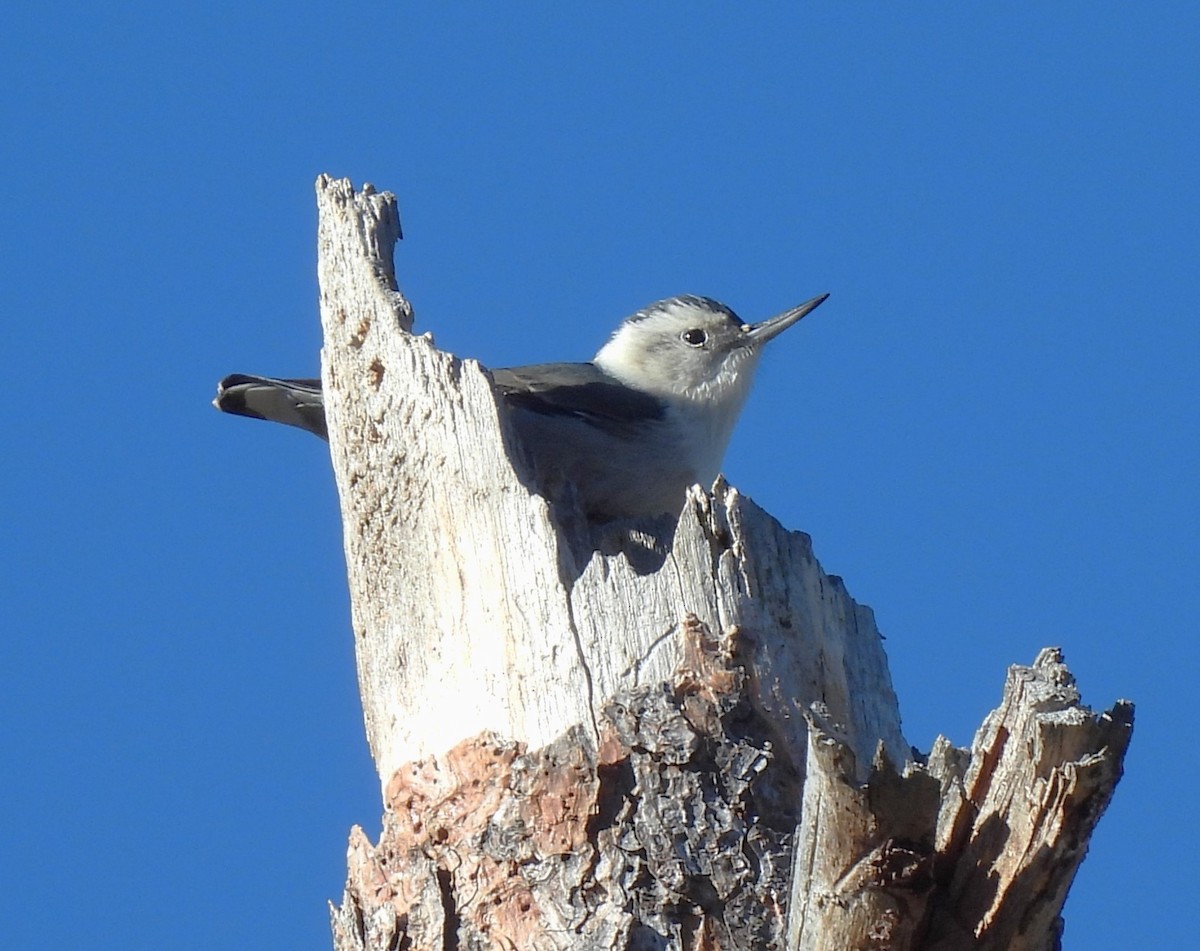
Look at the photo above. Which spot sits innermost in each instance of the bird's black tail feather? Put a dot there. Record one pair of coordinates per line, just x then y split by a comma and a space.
291, 402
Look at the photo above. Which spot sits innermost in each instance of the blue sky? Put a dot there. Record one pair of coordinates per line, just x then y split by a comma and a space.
990, 429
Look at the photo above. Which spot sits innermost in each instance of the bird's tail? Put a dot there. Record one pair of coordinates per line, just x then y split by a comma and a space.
291, 402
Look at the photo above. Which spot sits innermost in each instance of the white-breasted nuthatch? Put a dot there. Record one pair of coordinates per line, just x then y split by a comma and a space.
650, 415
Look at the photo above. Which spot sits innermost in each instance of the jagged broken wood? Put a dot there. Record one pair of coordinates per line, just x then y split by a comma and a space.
665, 735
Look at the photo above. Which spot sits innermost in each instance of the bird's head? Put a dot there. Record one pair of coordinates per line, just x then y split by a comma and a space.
692, 348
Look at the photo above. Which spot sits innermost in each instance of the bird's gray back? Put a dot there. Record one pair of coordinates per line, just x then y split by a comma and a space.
579, 390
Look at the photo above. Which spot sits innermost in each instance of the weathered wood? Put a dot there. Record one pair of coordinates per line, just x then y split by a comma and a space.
689, 828
1016, 817
665, 735
974, 849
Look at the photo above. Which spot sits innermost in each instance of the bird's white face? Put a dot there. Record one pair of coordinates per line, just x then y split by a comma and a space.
697, 357
684, 348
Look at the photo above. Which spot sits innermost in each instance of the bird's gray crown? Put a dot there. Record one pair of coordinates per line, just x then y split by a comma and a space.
684, 300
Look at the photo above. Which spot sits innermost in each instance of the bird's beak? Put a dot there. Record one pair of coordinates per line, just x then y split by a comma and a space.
764, 330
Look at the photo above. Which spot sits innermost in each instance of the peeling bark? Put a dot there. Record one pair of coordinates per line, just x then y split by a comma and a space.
679, 734
674, 830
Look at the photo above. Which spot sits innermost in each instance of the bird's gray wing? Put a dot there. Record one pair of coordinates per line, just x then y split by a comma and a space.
579, 390
292, 402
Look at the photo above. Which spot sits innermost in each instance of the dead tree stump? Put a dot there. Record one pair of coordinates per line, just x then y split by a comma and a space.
666, 735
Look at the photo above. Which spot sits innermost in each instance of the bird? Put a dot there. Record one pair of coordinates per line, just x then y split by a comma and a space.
650, 415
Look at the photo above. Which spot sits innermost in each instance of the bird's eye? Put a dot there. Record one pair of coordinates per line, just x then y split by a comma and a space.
694, 337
